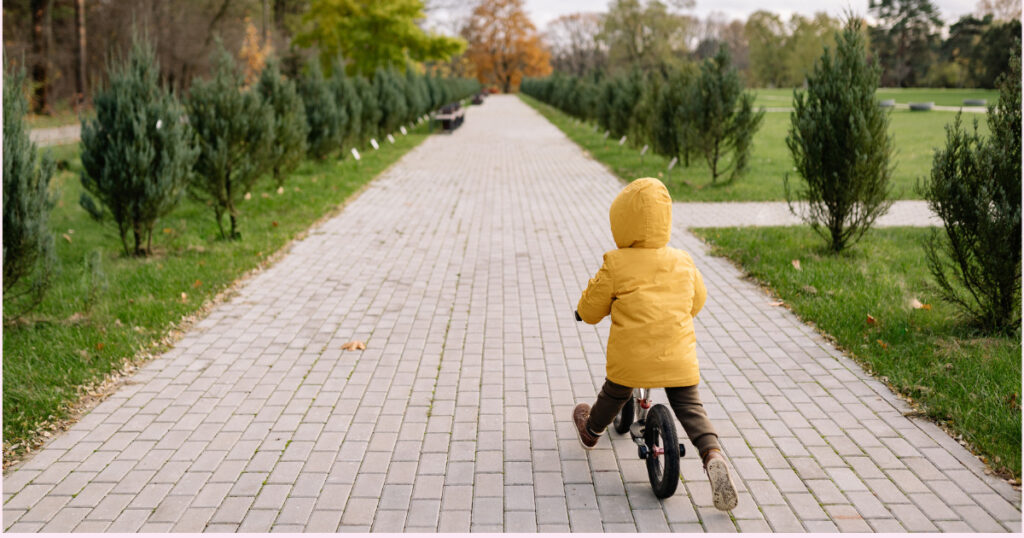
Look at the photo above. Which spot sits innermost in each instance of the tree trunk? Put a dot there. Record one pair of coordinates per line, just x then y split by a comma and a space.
41, 21
80, 54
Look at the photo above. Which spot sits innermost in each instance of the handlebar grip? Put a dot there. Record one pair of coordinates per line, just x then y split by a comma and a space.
577, 313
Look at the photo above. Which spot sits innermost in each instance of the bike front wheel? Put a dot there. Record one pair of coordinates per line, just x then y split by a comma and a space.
662, 451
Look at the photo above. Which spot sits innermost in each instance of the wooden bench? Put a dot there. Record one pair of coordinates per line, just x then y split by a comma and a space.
450, 116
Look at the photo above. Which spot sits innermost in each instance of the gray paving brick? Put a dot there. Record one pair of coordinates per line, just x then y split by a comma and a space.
258, 521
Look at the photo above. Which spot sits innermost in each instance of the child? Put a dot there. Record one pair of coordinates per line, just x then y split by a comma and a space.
652, 292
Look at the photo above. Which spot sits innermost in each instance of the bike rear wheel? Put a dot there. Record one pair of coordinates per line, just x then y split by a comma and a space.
624, 419
662, 451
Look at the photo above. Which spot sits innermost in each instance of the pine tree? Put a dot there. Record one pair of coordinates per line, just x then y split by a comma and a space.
290, 128
975, 189
841, 144
346, 98
137, 154
236, 131
391, 97
413, 95
721, 117
370, 108
323, 117
670, 132
28, 251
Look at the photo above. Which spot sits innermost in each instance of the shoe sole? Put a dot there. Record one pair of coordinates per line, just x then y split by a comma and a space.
723, 492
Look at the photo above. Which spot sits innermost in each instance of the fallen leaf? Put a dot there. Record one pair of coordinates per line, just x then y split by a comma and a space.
796, 265
99, 346
280, 190
117, 323
810, 289
949, 366
297, 189
883, 344
71, 231
197, 283
248, 196
926, 306
274, 224
265, 195
1012, 400
871, 319
83, 353
66, 237
184, 297
168, 230
776, 303
313, 179
353, 345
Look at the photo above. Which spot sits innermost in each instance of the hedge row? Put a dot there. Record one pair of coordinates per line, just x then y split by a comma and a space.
694, 111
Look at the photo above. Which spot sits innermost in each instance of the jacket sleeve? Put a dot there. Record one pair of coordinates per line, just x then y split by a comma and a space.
596, 302
700, 293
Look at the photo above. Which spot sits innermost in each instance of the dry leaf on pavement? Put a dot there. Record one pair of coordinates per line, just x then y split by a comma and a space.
353, 345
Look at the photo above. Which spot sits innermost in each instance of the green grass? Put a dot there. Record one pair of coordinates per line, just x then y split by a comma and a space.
776, 97
970, 382
916, 135
71, 344
63, 114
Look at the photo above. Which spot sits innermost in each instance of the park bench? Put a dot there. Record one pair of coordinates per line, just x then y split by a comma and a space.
450, 116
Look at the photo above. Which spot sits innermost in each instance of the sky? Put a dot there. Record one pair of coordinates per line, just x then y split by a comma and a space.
544, 11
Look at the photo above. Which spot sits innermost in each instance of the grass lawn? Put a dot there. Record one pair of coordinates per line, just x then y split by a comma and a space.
916, 135
62, 115
970, 382
91, 321
776, 97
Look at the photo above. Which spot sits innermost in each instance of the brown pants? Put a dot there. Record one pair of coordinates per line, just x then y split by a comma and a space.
685, 402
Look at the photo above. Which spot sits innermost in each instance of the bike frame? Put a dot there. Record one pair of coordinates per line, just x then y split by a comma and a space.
641, 405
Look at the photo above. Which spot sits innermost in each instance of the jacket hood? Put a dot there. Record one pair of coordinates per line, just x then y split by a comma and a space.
641, 215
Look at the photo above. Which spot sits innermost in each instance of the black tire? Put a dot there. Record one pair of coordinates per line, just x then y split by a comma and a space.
624, 419
663, 471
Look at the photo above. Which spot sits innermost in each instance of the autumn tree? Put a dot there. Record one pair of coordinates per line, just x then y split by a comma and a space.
371, 34
504, 45
576, 47
644, 34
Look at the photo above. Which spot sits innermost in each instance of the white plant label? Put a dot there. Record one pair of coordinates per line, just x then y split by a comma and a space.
672, 163
606, 133
391, 139
643, 150
622, 140
355, 153
373, 142
159, 124
402, 128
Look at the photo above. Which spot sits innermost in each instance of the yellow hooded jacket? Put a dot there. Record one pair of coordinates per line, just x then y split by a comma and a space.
652, 292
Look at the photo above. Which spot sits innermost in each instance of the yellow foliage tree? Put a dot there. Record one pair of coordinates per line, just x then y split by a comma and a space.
254, 53
504, 45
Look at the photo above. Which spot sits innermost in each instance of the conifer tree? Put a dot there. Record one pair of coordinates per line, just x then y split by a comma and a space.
323, 117
370, 108
28, 251
391, 98
346, 98
290, 128
975, 189
137, 154
235, 130
720, 117
841, 144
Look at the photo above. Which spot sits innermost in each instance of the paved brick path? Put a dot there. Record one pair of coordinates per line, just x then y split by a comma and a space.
725, 214
52, 136
460, 268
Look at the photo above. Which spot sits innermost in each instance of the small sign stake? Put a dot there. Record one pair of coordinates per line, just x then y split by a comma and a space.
622, 140
672, 163
373, 142
355, 153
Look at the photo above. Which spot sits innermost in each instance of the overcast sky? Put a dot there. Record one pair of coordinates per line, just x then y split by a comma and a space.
543, 11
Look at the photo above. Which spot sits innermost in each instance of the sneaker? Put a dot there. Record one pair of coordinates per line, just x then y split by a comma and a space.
579, 417
723, 492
